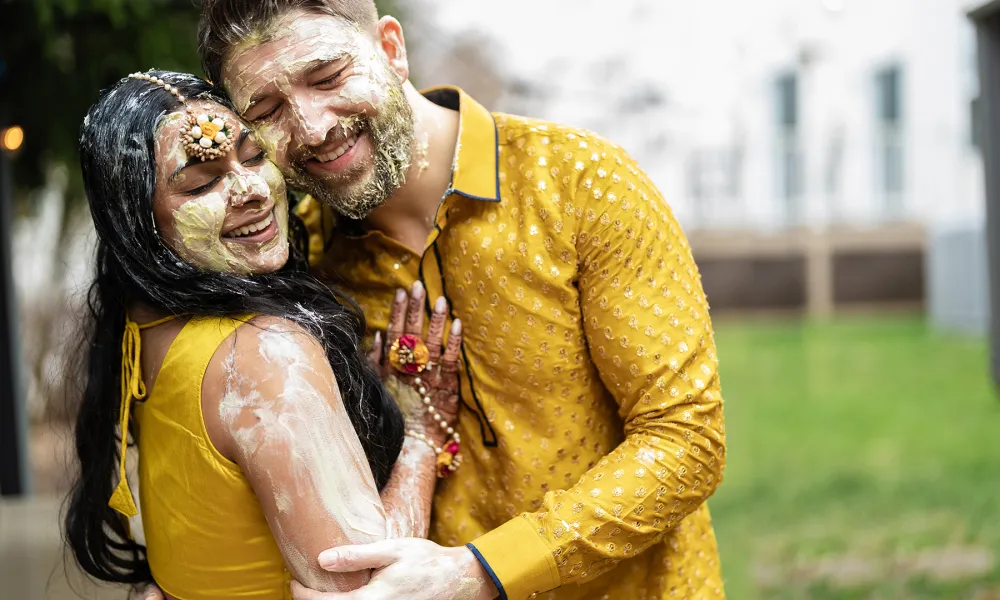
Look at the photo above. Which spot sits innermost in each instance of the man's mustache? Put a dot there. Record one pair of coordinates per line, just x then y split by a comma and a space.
340, 133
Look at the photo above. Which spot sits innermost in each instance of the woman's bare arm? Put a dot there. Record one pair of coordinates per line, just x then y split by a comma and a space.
272, 405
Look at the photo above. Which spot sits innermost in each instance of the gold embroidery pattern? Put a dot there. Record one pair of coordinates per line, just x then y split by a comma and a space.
585, 321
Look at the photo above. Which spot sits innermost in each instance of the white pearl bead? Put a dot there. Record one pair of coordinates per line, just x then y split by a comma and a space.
422, 391
205, 142
220, 137
431, 409
417, 380
427, 401
196, 132
451, 430
219, 122
202, 119
437, 417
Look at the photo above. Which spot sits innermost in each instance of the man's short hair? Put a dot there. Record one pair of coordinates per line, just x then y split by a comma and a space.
226, 23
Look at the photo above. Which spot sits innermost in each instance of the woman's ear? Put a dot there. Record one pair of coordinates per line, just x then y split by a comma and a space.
390, 38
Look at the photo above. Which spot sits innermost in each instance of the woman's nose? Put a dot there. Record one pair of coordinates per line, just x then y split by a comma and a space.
247, 187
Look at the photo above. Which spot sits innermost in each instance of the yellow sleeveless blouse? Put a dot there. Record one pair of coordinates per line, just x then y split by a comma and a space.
206, 534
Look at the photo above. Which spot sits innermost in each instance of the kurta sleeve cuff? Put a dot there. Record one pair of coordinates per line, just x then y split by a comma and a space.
519, 559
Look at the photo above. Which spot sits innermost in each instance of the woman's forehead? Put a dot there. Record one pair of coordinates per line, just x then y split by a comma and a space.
199, 107
170, 149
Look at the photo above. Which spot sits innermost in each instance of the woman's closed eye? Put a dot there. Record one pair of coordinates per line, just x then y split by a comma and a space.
202, 188
250, 152
254, 160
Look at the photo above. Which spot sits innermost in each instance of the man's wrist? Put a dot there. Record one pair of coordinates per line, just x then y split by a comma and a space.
475, 570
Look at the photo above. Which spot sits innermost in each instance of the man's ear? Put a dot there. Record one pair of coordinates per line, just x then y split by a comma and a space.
389, 34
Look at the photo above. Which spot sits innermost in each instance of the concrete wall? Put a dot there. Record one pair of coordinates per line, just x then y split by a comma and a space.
957, 283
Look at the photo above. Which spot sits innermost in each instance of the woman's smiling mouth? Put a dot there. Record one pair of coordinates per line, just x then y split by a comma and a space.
259, 231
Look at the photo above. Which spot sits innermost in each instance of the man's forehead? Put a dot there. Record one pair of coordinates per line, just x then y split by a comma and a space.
289, 47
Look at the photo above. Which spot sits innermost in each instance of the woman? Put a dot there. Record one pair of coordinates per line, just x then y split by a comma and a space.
264, 435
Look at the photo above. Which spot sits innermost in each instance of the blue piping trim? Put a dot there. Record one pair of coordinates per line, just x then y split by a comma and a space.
489, 571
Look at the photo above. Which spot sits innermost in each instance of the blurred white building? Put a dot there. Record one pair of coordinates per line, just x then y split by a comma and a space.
854, 113
813, 138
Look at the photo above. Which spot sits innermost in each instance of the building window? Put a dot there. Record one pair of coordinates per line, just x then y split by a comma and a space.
970, 47
788, 156
889, 156
975, 122
714, 180
833, 173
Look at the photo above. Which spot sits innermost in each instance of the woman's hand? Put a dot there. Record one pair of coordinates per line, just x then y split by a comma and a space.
439, 380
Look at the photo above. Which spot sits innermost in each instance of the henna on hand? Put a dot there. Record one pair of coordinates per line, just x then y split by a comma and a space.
439, 381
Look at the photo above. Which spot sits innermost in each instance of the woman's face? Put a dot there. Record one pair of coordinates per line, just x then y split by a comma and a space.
227, 215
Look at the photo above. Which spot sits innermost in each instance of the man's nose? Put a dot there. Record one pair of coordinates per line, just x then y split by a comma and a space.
313, 122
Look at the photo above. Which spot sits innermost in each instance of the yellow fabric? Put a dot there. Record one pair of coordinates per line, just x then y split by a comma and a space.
132, 388
592, 414
316, 218
206, 534
514, 539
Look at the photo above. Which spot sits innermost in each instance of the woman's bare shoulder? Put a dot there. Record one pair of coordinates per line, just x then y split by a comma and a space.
261, 365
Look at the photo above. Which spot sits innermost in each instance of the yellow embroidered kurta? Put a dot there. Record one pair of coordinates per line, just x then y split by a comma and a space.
592, 423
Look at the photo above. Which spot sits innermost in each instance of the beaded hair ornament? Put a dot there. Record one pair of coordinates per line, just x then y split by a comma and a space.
205, 136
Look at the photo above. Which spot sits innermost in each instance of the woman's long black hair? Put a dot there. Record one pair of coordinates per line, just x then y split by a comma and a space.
134, 266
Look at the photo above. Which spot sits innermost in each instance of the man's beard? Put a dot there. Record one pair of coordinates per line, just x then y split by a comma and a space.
391, 134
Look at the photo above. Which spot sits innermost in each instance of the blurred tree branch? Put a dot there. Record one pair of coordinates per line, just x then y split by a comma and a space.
56, 56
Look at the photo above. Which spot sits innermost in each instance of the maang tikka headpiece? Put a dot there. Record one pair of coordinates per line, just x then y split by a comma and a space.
205, 136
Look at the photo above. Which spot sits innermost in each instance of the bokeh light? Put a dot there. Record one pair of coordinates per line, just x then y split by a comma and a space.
12, 138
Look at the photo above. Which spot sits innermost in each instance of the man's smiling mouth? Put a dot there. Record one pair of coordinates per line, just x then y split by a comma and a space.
338, 151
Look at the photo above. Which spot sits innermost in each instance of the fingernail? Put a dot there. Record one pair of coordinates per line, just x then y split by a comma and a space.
456, 327
328, 558
440, 305
417, 287
400, 295
378, 338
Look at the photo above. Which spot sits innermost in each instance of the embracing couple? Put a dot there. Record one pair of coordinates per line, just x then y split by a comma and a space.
477, 328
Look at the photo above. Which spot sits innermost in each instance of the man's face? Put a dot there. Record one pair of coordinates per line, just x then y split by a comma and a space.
327, 108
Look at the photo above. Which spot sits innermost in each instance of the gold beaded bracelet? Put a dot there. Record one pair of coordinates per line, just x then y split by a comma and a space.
449, 457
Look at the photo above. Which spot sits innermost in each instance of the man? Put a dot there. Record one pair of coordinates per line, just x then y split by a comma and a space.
592, 424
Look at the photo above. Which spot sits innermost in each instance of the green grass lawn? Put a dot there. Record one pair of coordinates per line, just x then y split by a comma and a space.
863, 462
